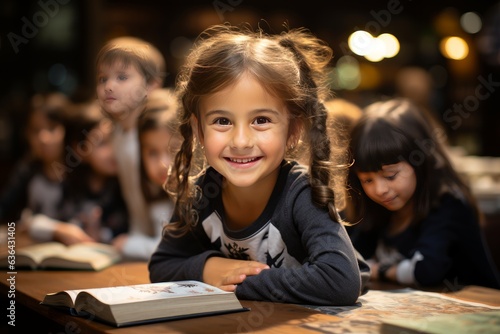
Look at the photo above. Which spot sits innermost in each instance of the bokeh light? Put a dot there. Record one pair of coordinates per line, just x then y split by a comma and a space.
471, 22
372, 48
454, 48
360, 42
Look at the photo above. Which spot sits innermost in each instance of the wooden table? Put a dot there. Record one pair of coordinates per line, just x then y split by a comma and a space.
31, 287
264, 317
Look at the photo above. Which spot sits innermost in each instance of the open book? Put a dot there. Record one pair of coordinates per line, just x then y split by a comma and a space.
55, 255
135, 304
471, 323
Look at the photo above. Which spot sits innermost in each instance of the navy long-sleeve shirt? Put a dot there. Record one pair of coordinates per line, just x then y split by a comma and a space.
450, 241
311, 258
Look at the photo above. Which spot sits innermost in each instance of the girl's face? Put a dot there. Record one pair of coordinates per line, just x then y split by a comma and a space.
45, 138
158, 148
121, 90
101, 156
244, 130
392, 187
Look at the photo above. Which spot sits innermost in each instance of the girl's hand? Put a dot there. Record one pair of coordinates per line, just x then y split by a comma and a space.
226, 274
69, 234
390, 273
119, 241
374, 270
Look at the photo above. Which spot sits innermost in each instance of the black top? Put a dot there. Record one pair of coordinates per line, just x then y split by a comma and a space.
450, 240
311, 258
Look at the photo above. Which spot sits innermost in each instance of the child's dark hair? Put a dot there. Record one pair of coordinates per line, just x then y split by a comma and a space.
52, 105
160, 113
397, 130
292, 66
82, 119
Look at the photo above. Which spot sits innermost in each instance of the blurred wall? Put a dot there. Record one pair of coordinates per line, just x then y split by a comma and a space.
51, 45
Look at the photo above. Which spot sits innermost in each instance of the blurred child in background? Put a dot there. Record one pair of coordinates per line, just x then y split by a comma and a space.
93, 195
159, 141
420, 224
36, 183
92, 208
128, 69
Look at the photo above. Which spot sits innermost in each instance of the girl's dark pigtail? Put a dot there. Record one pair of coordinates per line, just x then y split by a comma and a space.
316, 128
183, 204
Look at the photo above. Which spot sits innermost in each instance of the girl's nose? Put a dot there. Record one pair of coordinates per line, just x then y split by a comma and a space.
45, 136
381, 187
108, 86
242, 137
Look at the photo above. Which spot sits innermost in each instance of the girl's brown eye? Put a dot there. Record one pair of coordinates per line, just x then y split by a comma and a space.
222, 121
262, 120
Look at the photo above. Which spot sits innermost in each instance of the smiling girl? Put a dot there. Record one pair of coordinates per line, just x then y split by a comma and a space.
253, 221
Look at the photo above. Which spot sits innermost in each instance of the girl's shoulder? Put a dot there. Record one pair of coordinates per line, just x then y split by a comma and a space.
25, 169
452, 209
453, 201
29, 166
294, 170
294, 179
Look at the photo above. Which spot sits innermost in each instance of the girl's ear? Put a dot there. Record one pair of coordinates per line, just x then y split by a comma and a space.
292, 141
196, 129
151, 86
294, 134
154, 84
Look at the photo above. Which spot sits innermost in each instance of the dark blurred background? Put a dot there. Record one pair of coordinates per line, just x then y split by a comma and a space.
51, 45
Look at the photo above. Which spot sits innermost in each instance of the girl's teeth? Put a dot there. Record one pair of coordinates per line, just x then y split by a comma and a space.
242, 160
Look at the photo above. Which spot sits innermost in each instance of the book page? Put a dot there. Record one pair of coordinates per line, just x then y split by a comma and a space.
153, 291
105, 249
86, 250
40, 251
61, 298
98, 255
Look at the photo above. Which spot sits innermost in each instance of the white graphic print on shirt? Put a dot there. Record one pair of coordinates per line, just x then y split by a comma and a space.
265, 245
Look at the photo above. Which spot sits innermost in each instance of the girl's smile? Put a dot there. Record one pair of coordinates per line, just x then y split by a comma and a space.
388, 201
243, 162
